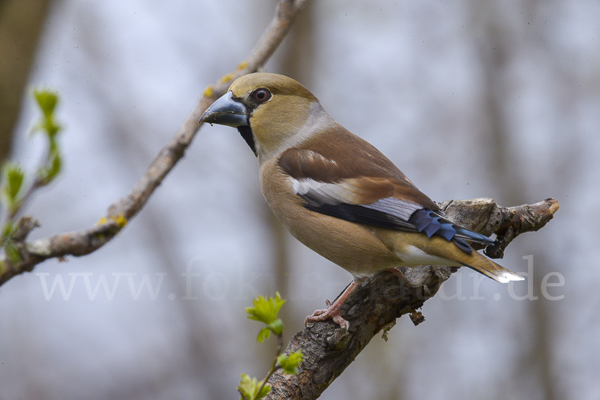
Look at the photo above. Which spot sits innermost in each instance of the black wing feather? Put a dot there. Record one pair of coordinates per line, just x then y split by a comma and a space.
423, 220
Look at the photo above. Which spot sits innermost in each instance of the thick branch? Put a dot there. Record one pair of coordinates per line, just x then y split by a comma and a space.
87, 241
377, 303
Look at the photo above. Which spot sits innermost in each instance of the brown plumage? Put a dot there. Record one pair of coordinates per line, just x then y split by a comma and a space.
338, 194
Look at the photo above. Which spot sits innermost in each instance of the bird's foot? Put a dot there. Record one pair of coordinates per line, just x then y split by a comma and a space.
332, 311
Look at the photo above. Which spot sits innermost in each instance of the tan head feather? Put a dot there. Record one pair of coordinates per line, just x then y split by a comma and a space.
291, 115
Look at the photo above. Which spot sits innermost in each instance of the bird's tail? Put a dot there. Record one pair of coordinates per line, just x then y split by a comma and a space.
475, 261
418, 249
490, 269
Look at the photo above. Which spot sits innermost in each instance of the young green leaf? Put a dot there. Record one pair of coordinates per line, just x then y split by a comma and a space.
47, 101
276, 326
12, 183
250, 389
263, 334
48, 172
265, 310
50, 127
290, 362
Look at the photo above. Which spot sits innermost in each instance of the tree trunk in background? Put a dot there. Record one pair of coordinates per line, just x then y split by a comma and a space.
21, 23
496, 47
298, 55
297, 61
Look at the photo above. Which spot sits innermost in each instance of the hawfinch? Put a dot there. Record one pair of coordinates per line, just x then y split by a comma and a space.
338, 194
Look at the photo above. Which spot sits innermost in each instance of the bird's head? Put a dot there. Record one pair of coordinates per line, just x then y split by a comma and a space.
272, 112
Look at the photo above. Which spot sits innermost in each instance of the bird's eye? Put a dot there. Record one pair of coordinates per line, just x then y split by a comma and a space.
261, 95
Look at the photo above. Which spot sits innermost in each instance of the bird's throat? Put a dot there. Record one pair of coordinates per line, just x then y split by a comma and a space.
246, 133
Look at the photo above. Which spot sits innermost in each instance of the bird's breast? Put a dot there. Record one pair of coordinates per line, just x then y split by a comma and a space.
352, 246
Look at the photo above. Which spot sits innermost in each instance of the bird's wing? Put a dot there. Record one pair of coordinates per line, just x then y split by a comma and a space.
376, 195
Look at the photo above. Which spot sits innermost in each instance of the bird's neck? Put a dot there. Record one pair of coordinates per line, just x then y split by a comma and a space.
317, 120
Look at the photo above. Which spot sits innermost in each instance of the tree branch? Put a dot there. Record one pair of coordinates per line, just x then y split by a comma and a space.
84, 242
377, 303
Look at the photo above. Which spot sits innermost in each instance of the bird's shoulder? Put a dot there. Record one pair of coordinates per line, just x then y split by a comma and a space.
337, 154
339, 157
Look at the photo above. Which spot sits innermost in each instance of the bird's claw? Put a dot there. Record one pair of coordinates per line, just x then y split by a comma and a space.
317, 313
325, 314
344, 324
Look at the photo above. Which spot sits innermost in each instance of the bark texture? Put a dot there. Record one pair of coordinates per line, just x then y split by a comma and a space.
376, 304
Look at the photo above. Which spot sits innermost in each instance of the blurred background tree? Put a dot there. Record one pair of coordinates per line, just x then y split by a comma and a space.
21, 23
468, 98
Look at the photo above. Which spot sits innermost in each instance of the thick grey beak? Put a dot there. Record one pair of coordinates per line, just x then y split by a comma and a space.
226, 111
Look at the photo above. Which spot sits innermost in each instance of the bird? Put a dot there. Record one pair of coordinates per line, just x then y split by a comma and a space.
336, 193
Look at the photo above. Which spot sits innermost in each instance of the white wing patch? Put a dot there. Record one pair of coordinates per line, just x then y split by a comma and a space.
323, 193
319, 193
303, 186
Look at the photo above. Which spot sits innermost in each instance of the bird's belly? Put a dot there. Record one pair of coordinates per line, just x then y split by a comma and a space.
352, 246
349, 245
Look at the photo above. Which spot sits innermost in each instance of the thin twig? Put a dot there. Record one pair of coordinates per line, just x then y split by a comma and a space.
27, 197
119, 213
274, 363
